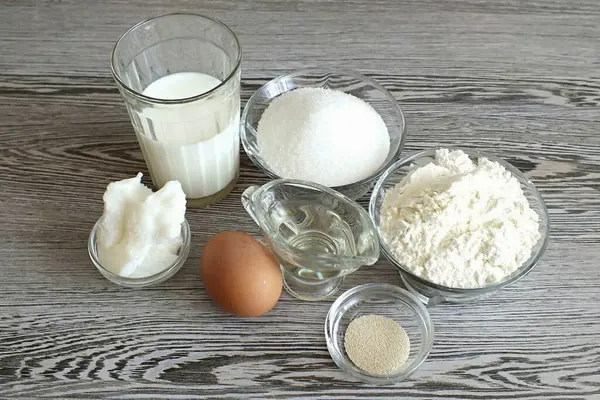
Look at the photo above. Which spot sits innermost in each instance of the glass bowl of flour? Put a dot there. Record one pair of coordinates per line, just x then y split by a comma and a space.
458, 224
336, 128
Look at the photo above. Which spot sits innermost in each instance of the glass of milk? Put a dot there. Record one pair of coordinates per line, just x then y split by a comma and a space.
180, 77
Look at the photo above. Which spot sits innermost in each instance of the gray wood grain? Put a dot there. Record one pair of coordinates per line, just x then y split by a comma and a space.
516, 78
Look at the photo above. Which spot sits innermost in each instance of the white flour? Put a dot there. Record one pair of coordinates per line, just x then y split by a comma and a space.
324, 136
458, 224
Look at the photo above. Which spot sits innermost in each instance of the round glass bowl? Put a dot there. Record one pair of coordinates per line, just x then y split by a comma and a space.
388, 301
431, 293
349, 82
151, 280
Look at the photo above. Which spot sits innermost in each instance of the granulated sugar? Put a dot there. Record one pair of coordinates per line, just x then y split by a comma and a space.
376, 344
323, 136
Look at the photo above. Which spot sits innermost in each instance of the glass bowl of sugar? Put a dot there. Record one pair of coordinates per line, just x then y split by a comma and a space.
336, 128
458, 224
378, 333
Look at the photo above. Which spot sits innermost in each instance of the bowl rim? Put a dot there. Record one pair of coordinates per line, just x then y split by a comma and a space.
344, 362
153, 279
521, 272
258, 161
261, 219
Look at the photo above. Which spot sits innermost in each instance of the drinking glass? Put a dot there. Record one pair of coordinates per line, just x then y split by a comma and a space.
179, 75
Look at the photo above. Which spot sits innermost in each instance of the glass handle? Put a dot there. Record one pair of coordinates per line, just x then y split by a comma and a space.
248, 202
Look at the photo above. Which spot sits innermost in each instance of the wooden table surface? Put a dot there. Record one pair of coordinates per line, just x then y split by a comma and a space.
517, 78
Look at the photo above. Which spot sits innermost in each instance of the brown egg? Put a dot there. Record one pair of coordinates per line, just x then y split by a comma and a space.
240, 274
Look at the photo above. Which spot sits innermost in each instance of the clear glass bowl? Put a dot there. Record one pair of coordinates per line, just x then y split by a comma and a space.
432, 293
318, 235
388, 301
151, 280
350, 82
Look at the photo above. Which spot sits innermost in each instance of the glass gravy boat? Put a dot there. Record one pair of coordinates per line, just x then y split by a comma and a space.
318, 235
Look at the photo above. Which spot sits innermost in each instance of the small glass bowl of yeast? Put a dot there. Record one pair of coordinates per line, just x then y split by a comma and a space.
382, 300
139, 282
378, 97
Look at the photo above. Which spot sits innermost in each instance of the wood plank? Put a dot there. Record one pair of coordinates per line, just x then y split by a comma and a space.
518, 79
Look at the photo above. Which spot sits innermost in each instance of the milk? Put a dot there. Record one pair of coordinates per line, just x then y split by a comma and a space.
196, 143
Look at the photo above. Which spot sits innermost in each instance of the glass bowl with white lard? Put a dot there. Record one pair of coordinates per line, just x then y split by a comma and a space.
337, 128
142, 237
156, 273
458, 224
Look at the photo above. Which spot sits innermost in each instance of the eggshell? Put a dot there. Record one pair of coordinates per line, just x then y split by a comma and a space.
240, 274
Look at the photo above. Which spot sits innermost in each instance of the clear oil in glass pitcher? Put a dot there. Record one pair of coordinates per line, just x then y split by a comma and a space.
318, 235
